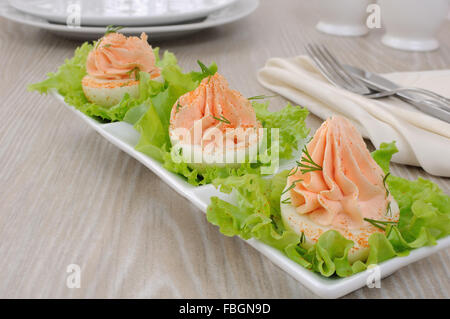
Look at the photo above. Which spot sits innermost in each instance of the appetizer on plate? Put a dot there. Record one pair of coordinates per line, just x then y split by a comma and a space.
109, 77
201, 129
337, 185
334, 213
214, 125
113, 68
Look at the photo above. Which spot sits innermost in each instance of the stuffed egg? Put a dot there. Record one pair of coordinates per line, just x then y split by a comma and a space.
214, 125
338, 185
113, 67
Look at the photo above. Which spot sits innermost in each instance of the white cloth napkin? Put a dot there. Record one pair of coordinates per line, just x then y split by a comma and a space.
422, 140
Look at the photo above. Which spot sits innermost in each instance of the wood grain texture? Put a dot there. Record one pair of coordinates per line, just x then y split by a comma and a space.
68, 196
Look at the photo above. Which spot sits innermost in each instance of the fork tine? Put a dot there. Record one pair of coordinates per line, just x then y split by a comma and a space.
333, 70
323, 66
357, 85
330, 65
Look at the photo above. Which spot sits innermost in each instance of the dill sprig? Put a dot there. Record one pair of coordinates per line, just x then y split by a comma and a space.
302, 238
179, 106
109, 29
286, 201
384, 184
294, 172
135, 70
291, 186
112, 29
221, 119
379, 223
205, 70
311, 166
389, 209
260, 97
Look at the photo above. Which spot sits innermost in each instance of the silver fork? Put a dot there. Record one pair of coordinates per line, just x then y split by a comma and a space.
336, 74
333, 70
339, 76
424, 92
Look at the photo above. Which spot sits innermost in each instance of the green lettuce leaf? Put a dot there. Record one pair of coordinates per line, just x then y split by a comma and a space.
424, 208
168, 58
291, 122
424, 218
153, 125
264, 222
67, 81
155, 140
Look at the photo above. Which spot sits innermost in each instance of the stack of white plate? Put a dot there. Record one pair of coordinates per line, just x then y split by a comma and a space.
87, 19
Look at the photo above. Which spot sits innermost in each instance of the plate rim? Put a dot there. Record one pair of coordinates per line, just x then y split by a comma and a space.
20, 5
247, 7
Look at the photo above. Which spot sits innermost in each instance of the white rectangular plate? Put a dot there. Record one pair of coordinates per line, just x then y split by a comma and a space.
124, 136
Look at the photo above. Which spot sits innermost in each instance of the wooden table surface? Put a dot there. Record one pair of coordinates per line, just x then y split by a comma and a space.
67, 196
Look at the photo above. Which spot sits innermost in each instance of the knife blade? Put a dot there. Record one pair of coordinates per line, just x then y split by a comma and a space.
379, 83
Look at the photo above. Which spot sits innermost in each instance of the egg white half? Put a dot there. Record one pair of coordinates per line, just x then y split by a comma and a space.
107, 93
200, 158
301, 223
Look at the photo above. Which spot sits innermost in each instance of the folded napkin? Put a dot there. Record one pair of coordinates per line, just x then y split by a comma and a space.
422, 140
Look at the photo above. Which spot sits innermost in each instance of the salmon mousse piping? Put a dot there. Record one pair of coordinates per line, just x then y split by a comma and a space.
213, 106
347, 185
117, 57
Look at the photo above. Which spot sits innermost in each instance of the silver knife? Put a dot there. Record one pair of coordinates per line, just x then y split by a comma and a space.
379, 83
